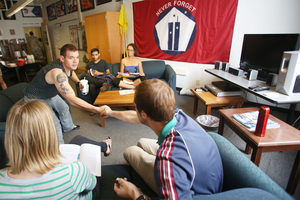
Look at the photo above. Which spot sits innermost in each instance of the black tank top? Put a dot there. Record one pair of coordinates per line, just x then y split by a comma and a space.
39, 88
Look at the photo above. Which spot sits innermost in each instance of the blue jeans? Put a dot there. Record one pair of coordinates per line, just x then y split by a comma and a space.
59, 106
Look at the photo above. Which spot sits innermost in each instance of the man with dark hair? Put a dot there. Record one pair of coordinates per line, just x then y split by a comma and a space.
36, 46
53, 80
187, 160
98, 75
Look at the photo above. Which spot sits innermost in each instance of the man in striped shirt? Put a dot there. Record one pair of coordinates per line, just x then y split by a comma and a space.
187, 160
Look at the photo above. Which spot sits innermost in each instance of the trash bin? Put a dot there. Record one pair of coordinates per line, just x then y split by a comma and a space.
208, 122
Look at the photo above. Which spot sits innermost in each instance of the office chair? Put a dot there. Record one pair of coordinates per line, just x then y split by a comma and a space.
31, 69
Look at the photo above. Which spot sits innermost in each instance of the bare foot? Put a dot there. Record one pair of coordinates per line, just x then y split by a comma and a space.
109, 144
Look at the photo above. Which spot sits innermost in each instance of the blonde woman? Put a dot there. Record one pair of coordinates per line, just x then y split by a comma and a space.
130, 64
32, 148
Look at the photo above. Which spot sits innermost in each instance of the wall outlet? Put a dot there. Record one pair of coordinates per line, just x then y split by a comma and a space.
197, 82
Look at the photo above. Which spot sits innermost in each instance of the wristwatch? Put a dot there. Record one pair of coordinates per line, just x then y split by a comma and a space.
143, 197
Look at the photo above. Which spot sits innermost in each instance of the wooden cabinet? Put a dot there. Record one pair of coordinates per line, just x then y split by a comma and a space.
10, 52
103, 32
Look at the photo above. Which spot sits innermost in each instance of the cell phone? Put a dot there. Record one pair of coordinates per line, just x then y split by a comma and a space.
253, 87
261, 89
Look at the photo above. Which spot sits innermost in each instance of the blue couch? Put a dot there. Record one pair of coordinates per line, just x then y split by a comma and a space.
152, 69
242, 178
8, 98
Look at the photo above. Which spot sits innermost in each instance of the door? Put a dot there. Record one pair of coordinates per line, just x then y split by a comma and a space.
47, 43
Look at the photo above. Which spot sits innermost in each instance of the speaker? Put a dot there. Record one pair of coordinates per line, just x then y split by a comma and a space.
218, 65
237, 72
289, 74
252, 74
225, 66
272, 79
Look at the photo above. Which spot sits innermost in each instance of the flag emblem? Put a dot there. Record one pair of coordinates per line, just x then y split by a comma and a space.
175, 30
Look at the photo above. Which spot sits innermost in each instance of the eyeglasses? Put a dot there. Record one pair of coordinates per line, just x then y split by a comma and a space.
130, 50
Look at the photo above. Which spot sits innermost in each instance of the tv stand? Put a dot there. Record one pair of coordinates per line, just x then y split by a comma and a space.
269, 95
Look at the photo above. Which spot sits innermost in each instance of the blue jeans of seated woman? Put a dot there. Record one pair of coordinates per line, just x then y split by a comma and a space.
64, 123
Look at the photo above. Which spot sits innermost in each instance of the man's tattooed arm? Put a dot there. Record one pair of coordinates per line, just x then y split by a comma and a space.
62, 80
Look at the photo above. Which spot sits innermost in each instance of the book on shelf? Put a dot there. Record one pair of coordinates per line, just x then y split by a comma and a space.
249, 120
88, 154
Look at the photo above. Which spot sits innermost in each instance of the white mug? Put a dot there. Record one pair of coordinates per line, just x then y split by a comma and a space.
84, 84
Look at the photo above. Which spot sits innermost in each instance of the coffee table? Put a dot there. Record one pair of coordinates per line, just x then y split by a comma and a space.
285, 138
212, 101
114, 99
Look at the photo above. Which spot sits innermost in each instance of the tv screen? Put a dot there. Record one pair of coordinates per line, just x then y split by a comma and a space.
263, 52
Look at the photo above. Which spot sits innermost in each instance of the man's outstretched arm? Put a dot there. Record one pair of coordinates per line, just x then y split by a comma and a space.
129, 116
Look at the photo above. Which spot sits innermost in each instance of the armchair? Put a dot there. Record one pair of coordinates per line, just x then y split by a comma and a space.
242, 178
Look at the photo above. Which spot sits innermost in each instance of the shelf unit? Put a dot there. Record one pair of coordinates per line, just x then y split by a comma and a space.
10, 52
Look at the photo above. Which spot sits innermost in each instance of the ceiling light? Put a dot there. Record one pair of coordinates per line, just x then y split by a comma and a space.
17, 7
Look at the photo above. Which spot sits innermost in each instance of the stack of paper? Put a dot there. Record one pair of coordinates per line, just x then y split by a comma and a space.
249, 120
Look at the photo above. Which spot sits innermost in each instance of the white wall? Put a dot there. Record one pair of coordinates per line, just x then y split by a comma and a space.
17, 25
253, 16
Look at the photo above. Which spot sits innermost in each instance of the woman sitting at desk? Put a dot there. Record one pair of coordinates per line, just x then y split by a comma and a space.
130, 64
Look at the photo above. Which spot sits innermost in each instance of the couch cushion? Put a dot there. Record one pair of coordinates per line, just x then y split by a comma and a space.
245, 193
15, 92
154, 68
115, 69
240, 172
6, 104
9, 97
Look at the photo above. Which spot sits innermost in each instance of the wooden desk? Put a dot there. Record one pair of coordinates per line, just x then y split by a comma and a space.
212, 101
285, 138
17, 71
269, 95
113, 99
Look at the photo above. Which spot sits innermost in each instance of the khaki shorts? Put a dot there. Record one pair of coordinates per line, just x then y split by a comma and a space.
0, 72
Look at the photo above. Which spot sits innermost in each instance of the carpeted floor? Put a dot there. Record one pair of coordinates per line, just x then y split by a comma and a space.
277, 165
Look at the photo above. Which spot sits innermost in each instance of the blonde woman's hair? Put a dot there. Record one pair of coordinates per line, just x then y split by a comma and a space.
31, 139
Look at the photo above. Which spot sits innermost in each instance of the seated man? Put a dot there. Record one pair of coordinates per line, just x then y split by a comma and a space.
97, 75
187, 161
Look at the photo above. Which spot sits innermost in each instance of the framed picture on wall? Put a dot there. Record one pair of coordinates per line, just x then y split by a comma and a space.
12, 31
10, 3
60, 8
71, 6
2, 5
99, 2
32, 11
87, 5
51, 12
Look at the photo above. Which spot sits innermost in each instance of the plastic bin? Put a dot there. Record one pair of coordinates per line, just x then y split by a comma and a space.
208, 122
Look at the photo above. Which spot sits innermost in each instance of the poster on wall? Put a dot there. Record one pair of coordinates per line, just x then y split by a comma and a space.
71, 6
196, 31
60, 8
13, 17
2, 5
32, 11
87, 5
51, 12
10, 3
99, 2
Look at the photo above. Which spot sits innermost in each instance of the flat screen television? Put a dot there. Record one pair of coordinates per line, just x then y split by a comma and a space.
264, 52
